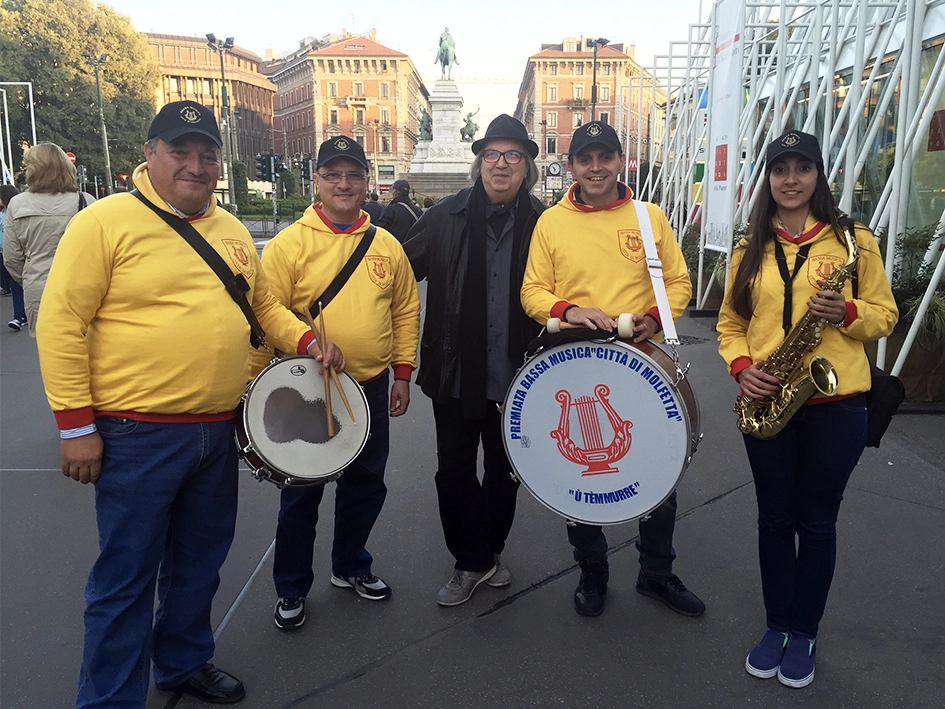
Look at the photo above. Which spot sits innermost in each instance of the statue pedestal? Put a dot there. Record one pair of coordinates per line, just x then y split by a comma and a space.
446, 153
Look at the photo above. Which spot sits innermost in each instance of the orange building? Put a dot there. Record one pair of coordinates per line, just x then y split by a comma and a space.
191, 70
555, 96
349, 85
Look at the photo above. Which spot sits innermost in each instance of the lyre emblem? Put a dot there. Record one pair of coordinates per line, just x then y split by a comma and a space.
595, 455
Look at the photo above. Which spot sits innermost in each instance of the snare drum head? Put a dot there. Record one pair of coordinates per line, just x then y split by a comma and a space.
284, 414
597, 431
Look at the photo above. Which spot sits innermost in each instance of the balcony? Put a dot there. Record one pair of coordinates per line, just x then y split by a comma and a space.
578, 103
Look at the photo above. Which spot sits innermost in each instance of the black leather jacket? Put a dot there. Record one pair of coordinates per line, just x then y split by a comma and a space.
398, 217
437, 251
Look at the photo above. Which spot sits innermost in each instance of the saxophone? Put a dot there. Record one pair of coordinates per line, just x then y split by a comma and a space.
765, 418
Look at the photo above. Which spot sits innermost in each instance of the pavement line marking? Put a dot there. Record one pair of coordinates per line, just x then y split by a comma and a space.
243, 591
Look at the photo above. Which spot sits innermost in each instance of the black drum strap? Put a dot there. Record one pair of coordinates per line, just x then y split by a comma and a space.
339, 281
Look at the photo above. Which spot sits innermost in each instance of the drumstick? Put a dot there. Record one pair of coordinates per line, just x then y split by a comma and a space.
334, 374
321, 340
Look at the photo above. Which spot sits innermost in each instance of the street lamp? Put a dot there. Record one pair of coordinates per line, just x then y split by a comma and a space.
595, 43
97, 61
221, 46
374, 124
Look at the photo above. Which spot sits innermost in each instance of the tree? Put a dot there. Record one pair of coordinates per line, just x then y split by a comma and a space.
240, 188
42, 41
288, 183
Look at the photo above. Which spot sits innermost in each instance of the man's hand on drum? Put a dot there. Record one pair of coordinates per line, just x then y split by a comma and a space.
82, 458
330, 357
756, 384
645, 327
399, 398
593, 318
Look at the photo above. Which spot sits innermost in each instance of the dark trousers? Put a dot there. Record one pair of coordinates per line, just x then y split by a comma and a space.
655, 544
800, 475
476, 516
359, 497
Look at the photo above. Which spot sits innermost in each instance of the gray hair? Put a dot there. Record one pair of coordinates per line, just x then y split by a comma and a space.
531, 169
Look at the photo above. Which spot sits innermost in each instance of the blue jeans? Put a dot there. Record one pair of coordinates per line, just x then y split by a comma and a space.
655, 543
800, 475
165, 502
16, 292
359, 498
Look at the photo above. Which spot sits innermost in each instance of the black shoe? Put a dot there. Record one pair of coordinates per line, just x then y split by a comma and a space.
591, 591
673, 593
212, 685
290, 613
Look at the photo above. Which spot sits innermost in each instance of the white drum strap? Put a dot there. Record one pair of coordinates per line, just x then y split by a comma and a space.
655, 267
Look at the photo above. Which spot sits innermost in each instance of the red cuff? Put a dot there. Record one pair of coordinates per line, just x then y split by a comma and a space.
74, 418
557, 310
306, 340
654, 313
850, 315
738, 364
403, 371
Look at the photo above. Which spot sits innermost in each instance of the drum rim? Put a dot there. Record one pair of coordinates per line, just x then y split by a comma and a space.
270, 467
645, 348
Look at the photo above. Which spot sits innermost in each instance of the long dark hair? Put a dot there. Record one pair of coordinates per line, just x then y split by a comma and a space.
7, 192
760, 232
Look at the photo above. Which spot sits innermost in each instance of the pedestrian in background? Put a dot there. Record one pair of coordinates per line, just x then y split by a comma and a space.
36, 220
373, 207
400, 213
10, 286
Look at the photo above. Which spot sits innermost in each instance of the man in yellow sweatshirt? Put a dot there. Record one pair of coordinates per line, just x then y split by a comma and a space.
375, 318
144, 358
586, 265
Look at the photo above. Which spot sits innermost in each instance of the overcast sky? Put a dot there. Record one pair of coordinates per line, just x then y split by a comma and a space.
494, 38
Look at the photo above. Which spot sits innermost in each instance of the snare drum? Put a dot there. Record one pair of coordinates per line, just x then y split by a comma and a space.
598, 431
282, 432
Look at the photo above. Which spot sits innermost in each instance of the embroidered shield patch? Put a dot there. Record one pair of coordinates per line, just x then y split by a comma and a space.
631, 244
240, 257
820, 267
379, 270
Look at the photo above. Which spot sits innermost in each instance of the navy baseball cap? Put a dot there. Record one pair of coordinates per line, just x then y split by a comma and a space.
184, 118
797, 143
341, 147
594, 133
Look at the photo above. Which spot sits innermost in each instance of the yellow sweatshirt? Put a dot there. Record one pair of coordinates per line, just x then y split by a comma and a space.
133, 321
870, 316
375, 318
593, 258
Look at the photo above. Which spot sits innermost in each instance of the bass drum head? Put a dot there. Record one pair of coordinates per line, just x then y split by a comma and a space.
284, 415
597, 431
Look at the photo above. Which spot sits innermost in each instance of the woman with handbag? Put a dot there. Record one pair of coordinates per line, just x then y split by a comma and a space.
792, 300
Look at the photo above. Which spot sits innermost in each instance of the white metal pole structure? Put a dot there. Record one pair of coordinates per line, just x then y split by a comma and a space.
97, 61
221, 47
6, 149
866, 76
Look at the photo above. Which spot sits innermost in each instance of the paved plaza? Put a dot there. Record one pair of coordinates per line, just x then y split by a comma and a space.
881, 645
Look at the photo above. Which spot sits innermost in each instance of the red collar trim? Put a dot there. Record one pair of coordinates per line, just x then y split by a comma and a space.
801, 238
317, 208
628, 195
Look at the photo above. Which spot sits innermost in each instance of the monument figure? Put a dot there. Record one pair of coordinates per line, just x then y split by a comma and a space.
446, 56
426, 125
468, 132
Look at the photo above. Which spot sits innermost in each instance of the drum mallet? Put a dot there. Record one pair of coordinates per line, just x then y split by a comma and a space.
624, 326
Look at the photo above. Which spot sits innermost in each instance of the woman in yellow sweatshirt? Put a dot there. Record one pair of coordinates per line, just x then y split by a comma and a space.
794, 244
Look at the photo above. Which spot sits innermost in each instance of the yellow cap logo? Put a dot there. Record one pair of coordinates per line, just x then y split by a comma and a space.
790, 140
341, 144
594, 130
190, 114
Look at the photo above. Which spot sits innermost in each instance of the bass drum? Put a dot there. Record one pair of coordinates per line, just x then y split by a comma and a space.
598, 431
282, 430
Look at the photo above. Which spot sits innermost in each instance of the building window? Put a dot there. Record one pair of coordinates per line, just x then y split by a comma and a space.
553, 69
385, 116
332, 89
579, 69
360, 139
191, 86
579, 92
207, 87
358, 88
552, 94
383, 65
551, 146
385, 90
331, 66
604, 118
578, 120
385, 144
359, 116
606, 69
357, 66
552, 119
570, 46
334, 117
605, 93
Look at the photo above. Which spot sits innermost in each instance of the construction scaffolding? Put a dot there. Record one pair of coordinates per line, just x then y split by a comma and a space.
744, 77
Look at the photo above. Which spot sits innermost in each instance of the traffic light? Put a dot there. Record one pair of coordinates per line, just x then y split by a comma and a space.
307, 167
280, 166
123, 179
264, 167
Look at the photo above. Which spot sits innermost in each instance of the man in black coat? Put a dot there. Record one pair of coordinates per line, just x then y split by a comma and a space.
400, 214
472, 248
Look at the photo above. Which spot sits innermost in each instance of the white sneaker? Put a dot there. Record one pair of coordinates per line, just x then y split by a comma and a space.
502, 576
460, 588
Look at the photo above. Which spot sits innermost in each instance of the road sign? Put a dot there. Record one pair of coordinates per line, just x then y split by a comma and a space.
71, 157
553, 183
632, 163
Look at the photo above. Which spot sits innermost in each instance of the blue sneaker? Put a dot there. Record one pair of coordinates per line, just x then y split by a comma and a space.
765, 659
797, 665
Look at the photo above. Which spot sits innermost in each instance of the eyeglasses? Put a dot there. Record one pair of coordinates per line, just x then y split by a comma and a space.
336, 177
512, 157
